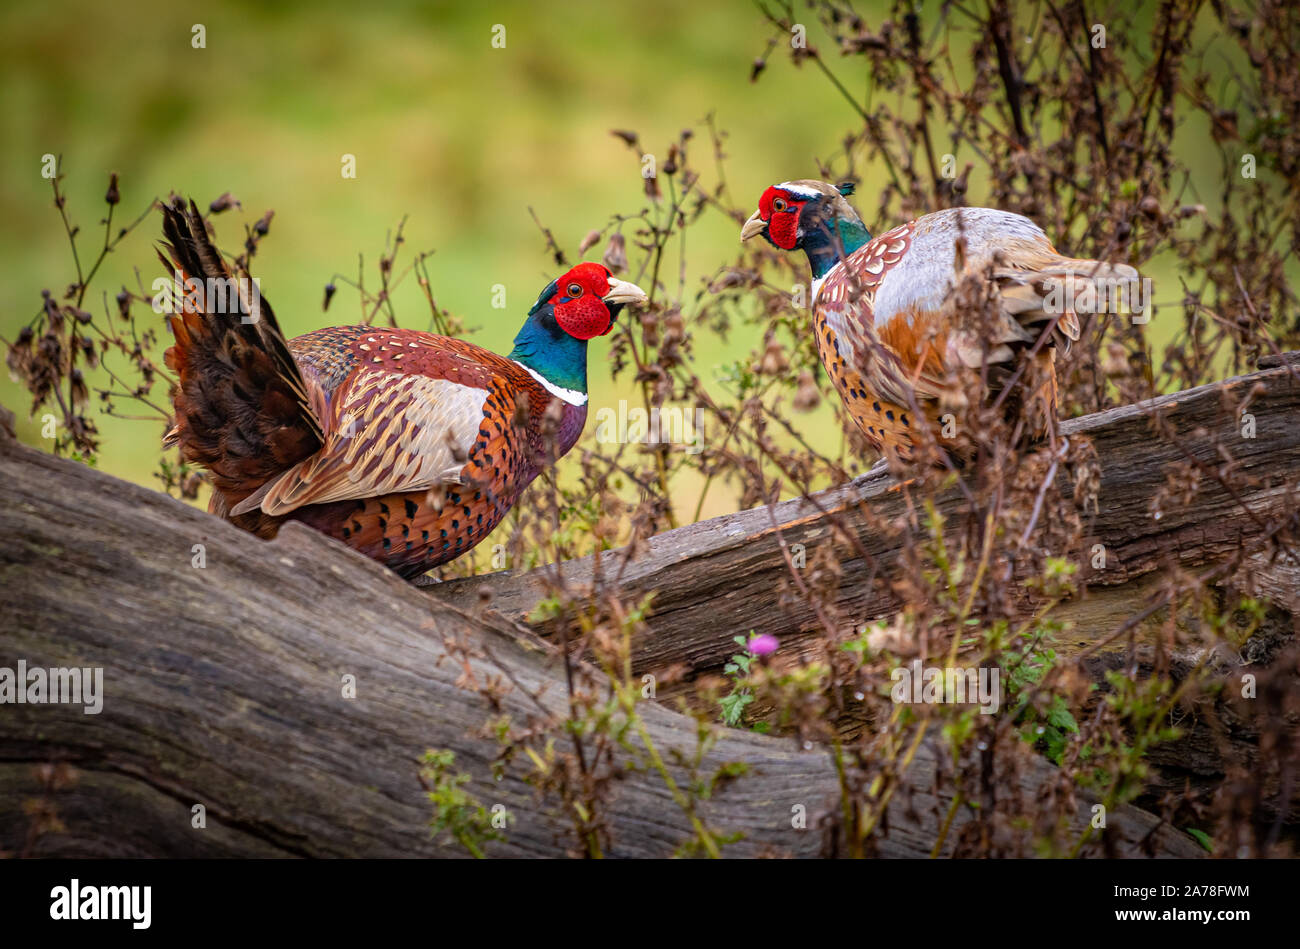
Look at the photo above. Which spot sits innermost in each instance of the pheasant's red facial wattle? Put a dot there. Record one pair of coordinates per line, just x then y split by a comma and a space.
583, 318
577, 303
784, 230
781, 210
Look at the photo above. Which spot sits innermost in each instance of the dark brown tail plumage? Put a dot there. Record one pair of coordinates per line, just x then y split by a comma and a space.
243, 409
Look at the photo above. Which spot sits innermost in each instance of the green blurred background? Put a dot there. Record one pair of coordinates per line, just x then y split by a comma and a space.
461, 136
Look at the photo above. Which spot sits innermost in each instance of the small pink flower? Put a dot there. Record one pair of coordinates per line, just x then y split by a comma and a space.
763, 645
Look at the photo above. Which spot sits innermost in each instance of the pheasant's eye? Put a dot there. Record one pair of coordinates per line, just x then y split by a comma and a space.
778, 204
575, 290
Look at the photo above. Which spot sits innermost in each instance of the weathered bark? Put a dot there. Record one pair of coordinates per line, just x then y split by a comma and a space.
223, 688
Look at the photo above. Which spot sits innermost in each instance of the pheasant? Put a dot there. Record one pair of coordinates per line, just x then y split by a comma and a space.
406, 446
886, 317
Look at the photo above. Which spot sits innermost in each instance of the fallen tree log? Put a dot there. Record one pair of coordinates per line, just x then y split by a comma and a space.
222, 689
725, 577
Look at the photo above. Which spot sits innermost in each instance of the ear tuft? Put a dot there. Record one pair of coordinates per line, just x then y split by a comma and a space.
846, 188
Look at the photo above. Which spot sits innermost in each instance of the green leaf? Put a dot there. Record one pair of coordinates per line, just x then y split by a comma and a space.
1202, 838
1059, 715
733, 706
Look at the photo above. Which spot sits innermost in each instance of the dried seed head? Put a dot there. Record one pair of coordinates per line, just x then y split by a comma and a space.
807, 396
224, 203
615, 256
774, 361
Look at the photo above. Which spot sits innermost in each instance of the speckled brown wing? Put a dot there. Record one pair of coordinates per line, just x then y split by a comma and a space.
870, 374
411, 532
406, 417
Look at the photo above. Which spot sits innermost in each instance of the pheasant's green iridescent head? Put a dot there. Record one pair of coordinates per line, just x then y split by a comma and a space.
578, 306
812, 216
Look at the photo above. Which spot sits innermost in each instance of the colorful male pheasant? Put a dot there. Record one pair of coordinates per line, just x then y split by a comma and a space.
887, 319
406, 446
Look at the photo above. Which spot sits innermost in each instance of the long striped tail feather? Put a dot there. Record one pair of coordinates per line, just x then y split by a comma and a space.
243, 408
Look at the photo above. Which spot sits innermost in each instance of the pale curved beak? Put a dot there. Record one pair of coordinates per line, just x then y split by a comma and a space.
753, 227
620, 291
